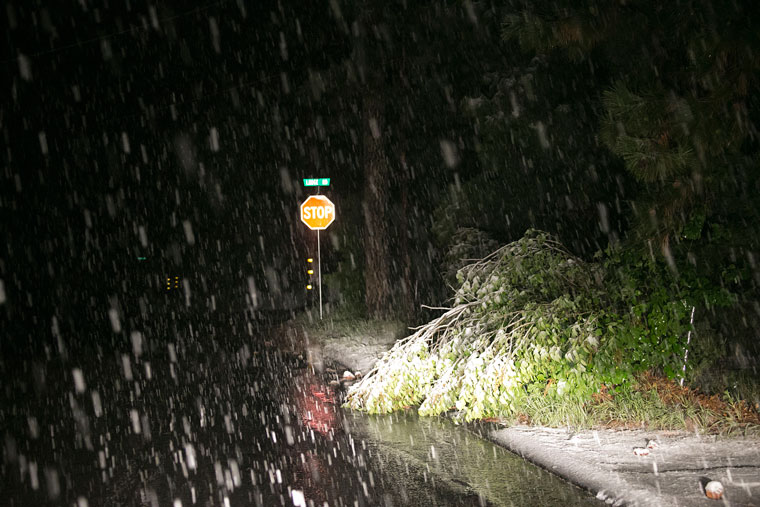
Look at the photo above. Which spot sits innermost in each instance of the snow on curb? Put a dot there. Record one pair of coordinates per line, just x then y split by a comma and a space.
356, 351
674, 472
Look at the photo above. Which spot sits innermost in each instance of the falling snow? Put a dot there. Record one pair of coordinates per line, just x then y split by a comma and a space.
171, 334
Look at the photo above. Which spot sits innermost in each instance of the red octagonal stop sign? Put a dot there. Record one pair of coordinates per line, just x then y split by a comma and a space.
317, 212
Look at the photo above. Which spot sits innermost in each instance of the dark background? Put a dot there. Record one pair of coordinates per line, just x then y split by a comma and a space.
180, 132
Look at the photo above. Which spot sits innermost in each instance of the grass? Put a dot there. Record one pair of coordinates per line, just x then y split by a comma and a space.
340, 322
651, 402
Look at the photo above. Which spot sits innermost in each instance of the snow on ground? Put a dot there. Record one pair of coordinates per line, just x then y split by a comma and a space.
360, 352
672, 474
355, 347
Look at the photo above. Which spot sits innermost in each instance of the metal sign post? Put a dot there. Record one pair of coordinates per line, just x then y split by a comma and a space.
319, 274
318, 212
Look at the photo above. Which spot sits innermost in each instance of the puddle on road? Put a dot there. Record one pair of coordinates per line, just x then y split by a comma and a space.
427, 460
413, 449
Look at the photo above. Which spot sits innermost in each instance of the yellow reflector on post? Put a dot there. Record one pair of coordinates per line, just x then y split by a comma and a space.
308, 287
309, 260
311, 271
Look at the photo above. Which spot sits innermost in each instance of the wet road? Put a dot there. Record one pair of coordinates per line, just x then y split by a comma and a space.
215, 418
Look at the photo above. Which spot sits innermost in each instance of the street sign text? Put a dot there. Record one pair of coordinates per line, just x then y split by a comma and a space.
316, 182
317, 212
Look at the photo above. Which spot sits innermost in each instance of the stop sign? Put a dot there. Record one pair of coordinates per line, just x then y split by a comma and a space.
317, 212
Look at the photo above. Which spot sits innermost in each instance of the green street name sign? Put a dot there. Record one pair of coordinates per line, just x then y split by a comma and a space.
316, 182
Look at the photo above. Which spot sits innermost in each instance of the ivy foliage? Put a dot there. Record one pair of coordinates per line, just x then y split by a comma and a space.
531, 319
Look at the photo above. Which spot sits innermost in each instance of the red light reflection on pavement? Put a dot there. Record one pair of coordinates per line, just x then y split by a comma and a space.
317, 404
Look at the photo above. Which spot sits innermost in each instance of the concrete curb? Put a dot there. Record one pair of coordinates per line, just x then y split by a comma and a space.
580, 474
673, 474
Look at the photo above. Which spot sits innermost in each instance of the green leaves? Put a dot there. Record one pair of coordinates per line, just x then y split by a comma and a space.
553, 333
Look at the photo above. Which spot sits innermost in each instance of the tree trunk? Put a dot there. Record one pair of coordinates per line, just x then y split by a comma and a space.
377, 281
408, 293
